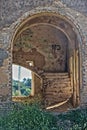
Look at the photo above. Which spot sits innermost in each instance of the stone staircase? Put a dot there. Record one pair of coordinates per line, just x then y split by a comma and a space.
57, 88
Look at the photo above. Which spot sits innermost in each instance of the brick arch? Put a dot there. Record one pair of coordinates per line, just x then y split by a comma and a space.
74, 28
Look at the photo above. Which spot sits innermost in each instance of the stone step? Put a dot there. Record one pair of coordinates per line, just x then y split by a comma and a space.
65, 85
59, 90
63, 79
56, 75
50, 101
59, 99
57, 94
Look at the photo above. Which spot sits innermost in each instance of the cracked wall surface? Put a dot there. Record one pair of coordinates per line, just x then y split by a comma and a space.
12, 13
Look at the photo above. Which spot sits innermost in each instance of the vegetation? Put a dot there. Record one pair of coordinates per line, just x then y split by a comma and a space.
25, 87
32, 117
28, 117
73, 120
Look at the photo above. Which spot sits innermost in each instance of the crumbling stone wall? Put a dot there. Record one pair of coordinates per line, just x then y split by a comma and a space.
11, 10
6, 35
79, 5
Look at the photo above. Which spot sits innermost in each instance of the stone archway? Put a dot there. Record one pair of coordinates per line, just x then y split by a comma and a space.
75, 20
51, 42
78, 26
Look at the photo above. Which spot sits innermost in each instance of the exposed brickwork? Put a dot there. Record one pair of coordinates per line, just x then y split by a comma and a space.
78, 21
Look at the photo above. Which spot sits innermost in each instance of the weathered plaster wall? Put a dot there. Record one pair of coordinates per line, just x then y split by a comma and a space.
77, 19
36, 39
8, 15
45, 45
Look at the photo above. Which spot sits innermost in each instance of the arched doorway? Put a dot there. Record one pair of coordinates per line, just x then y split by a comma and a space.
51, 43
